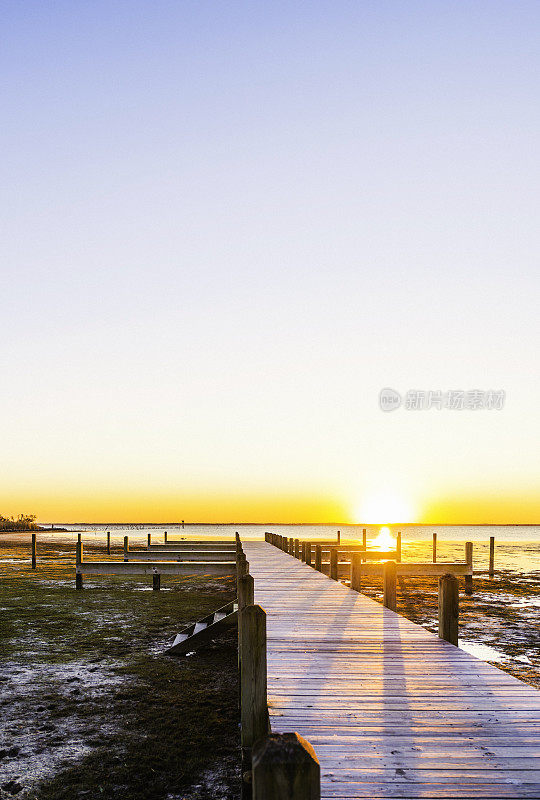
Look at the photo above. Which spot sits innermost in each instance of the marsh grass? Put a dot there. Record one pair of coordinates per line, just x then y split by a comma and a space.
91, 672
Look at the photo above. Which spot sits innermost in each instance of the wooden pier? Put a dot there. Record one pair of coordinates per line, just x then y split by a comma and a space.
391, 710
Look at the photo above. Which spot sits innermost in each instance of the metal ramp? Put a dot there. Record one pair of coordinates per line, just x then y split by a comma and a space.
204, 630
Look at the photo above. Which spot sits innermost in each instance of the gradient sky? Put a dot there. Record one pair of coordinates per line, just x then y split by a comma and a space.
226, 226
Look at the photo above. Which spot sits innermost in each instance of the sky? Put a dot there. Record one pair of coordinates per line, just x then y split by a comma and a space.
226, 227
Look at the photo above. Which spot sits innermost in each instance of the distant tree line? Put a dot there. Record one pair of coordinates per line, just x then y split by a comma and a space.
24, 522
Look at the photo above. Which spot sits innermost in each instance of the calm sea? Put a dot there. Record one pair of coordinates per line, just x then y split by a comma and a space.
517, 547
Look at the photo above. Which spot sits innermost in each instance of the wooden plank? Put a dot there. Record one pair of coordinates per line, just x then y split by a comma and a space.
156, 568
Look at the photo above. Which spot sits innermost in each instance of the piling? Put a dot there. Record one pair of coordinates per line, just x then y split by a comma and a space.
254, 710
318, 557
126, 547
398, 547
389, 587
78, 563
108, 543
338, 537
285, 766
334, 563
156, 582
434, 548
491, 556
34, 560
308, 554
165, 536
297, 548
448, 608
356, 572
149, 540
469, 560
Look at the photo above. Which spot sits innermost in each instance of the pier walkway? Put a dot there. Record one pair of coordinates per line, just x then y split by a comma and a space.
391, 710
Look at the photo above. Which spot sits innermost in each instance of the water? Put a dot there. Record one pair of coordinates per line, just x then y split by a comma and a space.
517, 547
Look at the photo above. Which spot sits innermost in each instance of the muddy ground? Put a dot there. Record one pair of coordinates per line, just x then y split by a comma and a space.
90, 705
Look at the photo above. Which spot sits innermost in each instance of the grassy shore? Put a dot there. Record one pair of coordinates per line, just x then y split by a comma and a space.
91, 707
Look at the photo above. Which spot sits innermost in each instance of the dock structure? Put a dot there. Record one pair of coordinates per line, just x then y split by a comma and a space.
391, 710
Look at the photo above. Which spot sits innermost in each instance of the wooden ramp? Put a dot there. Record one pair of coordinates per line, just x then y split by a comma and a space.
391, 710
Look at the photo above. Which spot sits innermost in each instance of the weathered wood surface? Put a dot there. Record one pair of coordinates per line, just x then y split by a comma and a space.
181, 555
221, 568
391, 710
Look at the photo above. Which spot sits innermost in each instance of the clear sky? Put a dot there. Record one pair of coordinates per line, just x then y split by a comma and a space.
225, 227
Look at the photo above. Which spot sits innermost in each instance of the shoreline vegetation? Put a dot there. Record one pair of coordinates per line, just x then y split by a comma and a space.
24, 522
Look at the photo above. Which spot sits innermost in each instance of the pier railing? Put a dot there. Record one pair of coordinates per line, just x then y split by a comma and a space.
274, 766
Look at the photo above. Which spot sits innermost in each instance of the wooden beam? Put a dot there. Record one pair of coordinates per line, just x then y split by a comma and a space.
389, 585
334, 563
356, 573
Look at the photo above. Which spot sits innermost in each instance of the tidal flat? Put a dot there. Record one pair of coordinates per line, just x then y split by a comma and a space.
91, 706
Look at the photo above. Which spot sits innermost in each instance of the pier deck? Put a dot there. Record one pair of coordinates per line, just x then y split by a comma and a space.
391, 710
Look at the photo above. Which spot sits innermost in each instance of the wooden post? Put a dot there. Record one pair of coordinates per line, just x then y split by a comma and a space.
241, 566
303, 552
156, 582
291, 546
448, 608
285, 767
246, 589
108, 543
149, 540
78, 563
398, 547
338, 538
364, 539
389, 590
469, 560
254, 711
126, 547
434, 548
297, 548
182, 524
308, 554
34, 560
356, 572
165, 536
491, 556
318, 557
333, 563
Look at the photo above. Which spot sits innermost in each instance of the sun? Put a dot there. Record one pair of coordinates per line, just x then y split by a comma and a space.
384, 540
384, 508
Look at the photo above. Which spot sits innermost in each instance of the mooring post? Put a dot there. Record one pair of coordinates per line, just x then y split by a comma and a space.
469, 560
398, 547
108, 543
338, 537
149, 540
318, 557
285, 767
308, 554
448, 608
165, 536
78, 563
334, 563
34, 559
126, 547
297, 548
491, 556
156, 582
434, 548
254, 703
364, 540
356, 572
389, 589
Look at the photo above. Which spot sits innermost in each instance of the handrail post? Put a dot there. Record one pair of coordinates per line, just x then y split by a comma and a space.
246, 597
448, 608
491, 556
291, 546
356, 572
308, 554
297, 548
34, 559
253, 688
334, 563
285, 767
303, 552
469, 560
434, 548
389, 585
318, 557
